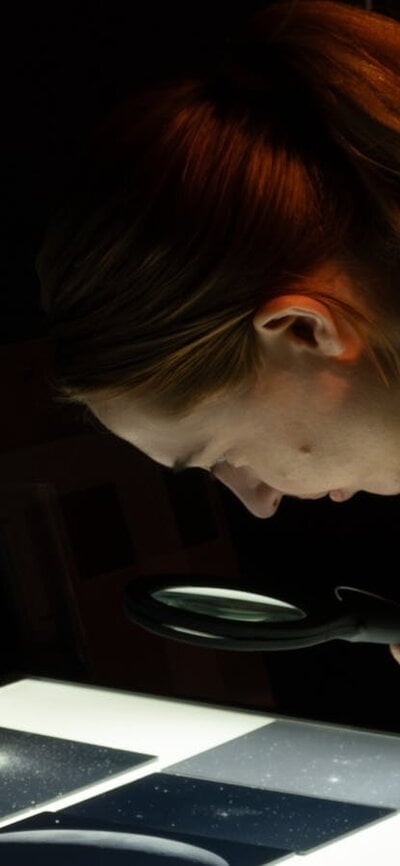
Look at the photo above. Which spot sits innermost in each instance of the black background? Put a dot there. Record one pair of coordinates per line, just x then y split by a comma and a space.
64, 66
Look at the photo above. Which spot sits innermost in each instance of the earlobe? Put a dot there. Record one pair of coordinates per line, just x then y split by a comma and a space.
307, 325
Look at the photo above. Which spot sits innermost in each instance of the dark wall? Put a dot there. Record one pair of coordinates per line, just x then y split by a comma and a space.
64, 66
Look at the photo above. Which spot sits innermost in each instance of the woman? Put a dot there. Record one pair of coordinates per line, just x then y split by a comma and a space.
221, 271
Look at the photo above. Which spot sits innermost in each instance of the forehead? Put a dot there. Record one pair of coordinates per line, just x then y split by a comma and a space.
122, 414
163, 439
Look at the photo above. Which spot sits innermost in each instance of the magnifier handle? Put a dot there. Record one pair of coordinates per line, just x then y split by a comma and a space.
373, 632
377, 619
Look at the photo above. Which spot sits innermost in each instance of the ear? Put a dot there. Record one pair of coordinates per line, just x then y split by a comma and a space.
307, 325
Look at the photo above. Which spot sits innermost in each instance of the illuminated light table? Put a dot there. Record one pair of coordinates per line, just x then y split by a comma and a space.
241, 787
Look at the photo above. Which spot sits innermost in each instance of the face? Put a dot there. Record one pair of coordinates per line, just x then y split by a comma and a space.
318, 420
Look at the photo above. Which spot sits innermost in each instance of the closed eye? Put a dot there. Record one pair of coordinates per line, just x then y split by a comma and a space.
181, 465
217, 463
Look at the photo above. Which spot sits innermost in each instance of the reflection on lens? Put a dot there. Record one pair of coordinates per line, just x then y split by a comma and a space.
196, 633
229, 604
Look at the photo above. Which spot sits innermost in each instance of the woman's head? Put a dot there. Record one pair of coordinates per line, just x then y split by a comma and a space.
316, 420
202, 207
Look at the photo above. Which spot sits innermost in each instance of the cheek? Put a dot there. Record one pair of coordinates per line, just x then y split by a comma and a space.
287, 466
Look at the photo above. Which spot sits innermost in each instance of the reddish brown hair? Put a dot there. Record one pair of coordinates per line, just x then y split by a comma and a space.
196, 200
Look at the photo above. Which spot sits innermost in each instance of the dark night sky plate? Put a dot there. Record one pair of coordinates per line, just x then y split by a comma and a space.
37, 769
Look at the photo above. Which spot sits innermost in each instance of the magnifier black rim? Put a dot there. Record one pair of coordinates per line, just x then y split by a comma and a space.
330, 622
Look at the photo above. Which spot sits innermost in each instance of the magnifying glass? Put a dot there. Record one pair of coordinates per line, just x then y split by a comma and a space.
208, 611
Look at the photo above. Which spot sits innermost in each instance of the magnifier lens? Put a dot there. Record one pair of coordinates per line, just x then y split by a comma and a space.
229, 604
213, 637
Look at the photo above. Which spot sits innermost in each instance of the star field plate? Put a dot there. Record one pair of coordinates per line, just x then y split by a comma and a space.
225, 813
309, 759
37, 769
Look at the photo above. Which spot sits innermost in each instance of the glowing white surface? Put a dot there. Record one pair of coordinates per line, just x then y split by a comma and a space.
122, 720
174, 730
170, 728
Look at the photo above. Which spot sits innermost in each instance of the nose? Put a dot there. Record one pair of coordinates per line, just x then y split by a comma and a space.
259, 498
